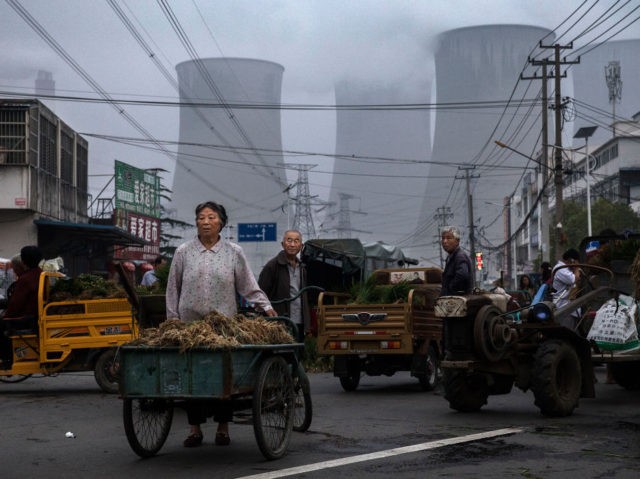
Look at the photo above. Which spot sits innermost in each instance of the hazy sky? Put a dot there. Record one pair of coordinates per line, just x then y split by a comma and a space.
317, 42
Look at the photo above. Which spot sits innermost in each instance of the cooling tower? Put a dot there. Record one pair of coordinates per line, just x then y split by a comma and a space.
229, 154
592, 94
381, 168
475, 64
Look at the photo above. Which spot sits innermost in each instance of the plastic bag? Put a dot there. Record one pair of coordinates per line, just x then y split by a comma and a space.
614, 327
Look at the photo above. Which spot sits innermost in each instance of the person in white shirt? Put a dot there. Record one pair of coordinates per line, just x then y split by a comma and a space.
149, 278
563, 280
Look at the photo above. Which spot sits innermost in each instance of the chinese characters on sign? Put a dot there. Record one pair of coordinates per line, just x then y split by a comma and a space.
137, 190
138, 211
143, 227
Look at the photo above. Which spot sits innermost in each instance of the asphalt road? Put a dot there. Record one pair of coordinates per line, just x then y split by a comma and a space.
404, 432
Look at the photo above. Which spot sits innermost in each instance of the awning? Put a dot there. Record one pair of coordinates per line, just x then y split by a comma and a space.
352, 254
108, 233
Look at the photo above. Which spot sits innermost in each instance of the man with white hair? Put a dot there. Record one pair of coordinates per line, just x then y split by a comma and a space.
458, 270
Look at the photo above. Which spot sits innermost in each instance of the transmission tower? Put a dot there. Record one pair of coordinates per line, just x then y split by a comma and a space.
302, 218
612, 75
344, 217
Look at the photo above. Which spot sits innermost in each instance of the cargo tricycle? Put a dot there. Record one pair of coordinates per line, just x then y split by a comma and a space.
259, 378
69, 336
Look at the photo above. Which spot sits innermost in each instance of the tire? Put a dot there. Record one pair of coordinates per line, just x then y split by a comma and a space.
303, 408
431, 378
273, 407
466, 392
352, 380
106, 373
626, 375
14, 378
556, 381
147, 423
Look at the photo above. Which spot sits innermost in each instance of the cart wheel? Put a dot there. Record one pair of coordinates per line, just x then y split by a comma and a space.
273, 407
147, 423
14, 378
303, 409
106, 373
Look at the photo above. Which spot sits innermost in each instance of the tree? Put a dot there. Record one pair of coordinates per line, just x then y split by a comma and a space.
604, 215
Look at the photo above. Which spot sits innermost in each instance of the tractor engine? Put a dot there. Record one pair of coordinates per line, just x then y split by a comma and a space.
476, 327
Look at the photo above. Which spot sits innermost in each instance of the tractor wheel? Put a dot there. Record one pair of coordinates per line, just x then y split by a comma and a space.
626, 375
557, 378
466, 392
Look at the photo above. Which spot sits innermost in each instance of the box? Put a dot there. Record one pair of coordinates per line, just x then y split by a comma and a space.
197, 373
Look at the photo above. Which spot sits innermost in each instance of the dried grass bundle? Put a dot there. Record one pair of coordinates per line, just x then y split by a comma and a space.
214, 331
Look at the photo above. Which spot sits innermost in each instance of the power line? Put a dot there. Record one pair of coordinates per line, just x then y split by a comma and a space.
248, 105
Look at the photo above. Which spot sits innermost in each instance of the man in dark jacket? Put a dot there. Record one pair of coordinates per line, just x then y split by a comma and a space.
22, 306
457, 277
283, 277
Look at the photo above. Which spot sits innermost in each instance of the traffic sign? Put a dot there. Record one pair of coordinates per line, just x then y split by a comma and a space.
256, 232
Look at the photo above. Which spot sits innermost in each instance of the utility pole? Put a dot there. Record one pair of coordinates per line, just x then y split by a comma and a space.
443, 214
614, 83
544, 214
507, 225
558, 172
472, 234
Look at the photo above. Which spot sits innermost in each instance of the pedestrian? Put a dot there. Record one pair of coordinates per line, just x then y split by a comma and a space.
206, 274
458, 270
545, 273
526, 285
149, 278
565, 277
22, 305
283, 277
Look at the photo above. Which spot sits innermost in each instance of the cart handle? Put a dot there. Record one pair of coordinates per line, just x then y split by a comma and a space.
302, 290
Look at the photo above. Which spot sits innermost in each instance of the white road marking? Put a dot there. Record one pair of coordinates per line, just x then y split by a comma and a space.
382, 454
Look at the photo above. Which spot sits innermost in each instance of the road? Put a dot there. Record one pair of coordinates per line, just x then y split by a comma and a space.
403, 429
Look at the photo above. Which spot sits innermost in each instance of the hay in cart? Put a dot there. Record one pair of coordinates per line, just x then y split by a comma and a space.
215, 331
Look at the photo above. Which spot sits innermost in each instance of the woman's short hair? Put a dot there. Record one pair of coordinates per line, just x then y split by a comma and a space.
218, 208
31, 256
455, 232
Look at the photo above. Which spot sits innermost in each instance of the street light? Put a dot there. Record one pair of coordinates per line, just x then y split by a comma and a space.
585, 132
503, 145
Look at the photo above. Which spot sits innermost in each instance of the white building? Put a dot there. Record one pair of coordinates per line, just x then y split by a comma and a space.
614, 175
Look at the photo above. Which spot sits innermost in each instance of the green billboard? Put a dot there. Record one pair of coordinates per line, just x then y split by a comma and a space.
137, 190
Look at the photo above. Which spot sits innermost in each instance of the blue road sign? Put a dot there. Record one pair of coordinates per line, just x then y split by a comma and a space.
256, 232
